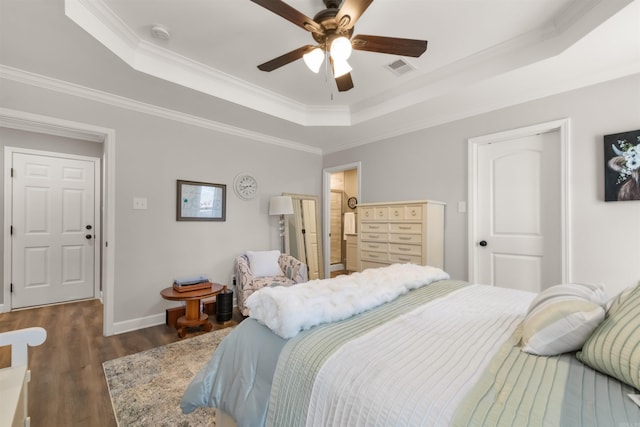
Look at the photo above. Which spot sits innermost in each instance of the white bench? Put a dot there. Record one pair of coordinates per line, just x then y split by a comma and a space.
14, 379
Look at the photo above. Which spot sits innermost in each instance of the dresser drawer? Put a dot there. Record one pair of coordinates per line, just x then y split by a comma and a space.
374, 247
375, 256
405, 258
374, 227
397, 213
405, 238
381, 213
365, 213
405, 228
369, 264
413, 212
374, 237
405, 249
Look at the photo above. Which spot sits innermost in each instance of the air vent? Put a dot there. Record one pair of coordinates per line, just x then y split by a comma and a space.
400, 67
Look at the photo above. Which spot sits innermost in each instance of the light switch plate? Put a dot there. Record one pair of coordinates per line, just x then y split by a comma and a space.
140, 203
462, 207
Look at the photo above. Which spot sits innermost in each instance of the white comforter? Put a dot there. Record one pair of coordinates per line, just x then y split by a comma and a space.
289, 310
455, 337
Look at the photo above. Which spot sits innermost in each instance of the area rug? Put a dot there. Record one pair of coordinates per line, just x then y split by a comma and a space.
146, 387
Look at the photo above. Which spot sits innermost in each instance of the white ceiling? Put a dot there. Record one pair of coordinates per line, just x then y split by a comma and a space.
482, 55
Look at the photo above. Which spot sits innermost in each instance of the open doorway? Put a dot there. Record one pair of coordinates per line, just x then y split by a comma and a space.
38, 124
341, 191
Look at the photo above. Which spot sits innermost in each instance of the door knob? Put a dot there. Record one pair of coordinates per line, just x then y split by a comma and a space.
483, 243
88, 236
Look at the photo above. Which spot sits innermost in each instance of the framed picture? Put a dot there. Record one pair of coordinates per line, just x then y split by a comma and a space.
622, 166
201, 201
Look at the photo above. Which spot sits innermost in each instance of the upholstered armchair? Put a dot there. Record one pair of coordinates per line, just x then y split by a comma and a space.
269, 268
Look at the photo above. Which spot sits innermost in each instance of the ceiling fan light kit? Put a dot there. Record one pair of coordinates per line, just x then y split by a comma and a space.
340, 48
340, 68
332, 28
314, 59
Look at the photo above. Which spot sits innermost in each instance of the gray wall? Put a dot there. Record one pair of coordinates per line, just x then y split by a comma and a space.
432, 164
152, 248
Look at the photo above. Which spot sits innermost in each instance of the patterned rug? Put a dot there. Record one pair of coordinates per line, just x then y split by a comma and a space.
146, 387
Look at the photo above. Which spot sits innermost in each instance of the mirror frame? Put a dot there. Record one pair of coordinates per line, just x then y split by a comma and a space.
319, 221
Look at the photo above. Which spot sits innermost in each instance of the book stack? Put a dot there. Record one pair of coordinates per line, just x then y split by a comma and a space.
191, 284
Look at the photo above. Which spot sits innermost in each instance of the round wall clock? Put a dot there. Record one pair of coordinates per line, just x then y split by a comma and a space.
352, 202
245, 186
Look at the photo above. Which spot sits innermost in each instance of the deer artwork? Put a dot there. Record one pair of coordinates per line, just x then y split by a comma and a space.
627, 164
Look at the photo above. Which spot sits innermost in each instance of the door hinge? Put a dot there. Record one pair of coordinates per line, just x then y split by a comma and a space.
11, 172
11, 288
11, 231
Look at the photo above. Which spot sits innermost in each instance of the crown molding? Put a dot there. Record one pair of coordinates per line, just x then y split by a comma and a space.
104, 25
49, 83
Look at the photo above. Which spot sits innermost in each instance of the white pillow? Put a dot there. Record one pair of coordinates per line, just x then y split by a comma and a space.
264, 263
561, 319
591, 292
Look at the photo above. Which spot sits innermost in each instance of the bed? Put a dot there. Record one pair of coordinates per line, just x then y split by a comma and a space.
428, 352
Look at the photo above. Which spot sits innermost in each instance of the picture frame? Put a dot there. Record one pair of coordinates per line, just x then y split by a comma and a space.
622, 166
200, 201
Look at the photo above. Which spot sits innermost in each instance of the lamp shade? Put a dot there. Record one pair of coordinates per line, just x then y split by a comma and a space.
340, 49
314, 59
340, 68
280, 205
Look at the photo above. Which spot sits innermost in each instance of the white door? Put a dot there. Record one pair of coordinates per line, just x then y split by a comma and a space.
519, 212
53, 229
311, 237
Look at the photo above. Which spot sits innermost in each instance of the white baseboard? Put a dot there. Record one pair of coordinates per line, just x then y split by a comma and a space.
336, 267
139, 323
4, 308
143, 322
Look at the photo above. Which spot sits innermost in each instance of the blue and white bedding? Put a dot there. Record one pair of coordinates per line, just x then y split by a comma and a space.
443, 354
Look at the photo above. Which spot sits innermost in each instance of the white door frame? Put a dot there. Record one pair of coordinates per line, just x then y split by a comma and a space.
326, 204
97, 229
21, 120
563, 127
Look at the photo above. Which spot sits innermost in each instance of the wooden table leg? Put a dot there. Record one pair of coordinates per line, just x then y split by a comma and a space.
193, 318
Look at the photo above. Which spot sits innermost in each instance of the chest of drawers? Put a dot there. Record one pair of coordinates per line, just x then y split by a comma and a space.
401, 232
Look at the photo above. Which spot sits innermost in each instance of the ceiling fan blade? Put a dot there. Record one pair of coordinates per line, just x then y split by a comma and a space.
285, 59
351, 10
290, 14
391, 45
344, 82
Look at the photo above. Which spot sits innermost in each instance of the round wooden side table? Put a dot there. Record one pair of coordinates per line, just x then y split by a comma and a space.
193, 316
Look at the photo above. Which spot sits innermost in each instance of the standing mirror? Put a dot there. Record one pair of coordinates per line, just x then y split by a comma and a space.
303, 233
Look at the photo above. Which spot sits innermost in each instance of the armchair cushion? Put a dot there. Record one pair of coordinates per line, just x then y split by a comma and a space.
291, 271
264, 263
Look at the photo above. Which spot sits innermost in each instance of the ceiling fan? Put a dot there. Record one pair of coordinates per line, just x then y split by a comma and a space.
332, 29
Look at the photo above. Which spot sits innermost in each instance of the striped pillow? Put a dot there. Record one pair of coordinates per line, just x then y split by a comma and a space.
614, 347
615, 302
560, 325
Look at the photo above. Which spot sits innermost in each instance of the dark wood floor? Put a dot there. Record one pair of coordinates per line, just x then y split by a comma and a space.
337, 273
68, 386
